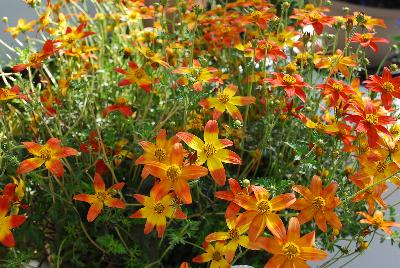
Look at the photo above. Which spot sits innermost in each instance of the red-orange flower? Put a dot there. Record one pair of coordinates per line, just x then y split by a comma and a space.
135, 75
261, 212
8, 222
101, 197
211, 150
292, 84
378, 221
156, 210
335, 91
369, 120
318, 203
387, 85
12, 93
291, 250
48, 154
120, 106
368, 40
226, 100
175, 175
232, 209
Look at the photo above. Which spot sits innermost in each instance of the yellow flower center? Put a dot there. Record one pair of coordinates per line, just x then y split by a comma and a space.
209, 149
256, 15
233, 234
150, 54
101, 196
5, 93
70, 39
159, 208
34, 58
173, 172
223, 98
45, 154
264, 207
372, 119
319, 203
160, 154
139, 73
287, 78
320, 126
381, 166
216, 256
315, 15
388, 86
337, 86
366, 37
291, 250
377, 221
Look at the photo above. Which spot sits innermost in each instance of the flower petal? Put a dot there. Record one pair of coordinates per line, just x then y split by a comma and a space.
94, 211
29, 165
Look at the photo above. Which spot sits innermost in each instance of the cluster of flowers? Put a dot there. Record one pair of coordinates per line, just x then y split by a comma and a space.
282, 59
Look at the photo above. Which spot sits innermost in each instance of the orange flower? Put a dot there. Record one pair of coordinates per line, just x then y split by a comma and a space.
370, 120
372, 194
22, 27
198, 75
291, 250
336, 91
8, 222
236, 237
101, 197
226, 100
215, 255
156, 210
12, 93
159, 152
48, 154
235, 190
135, 75
153, 56
378, 222
212, 150
70, 37
260, 212
368, 40
175, 174
335, 63
387, 85
292, 84
35, 59
318, 204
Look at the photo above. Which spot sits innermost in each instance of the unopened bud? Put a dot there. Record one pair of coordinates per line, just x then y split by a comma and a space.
5, 19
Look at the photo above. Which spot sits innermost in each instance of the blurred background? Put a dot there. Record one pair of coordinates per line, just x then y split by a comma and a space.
382, 255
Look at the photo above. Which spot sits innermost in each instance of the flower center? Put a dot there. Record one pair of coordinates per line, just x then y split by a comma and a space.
388, 86
159, 208
139, 73
377, 221
216, 256
366, 37
209, 149
287, 78
319, 203
160, 154
264, 207
337, 86
34, 58
315, 16
150, 54
5, 93
223, 98
101, 196
372, 119
173, 172
291, 250
381, 166
45, 154
233, 234
256, 15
